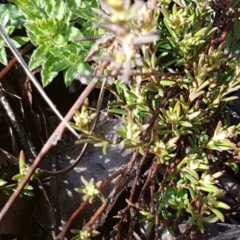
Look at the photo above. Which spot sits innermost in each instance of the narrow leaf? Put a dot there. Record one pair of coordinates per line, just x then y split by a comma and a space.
218, 214
118, 111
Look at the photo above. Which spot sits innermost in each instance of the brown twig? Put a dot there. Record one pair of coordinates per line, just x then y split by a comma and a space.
155, 210
150, 176
70, 220
50, 142
134, 185
117, 228
220, 13
223, 36
107, 181
133, 189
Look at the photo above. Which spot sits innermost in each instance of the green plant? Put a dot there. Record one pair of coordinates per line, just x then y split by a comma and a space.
176, 81
54, 27
8, 188
82, 122
172, 73
84, 234
90, 190
11, 19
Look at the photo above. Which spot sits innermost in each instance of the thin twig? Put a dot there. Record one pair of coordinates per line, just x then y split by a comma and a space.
133, 189
150, 176
135, 182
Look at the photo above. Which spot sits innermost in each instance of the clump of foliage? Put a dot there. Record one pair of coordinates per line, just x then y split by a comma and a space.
11, 19
8, 188
172, 73
52, 26
171, 94
182, 82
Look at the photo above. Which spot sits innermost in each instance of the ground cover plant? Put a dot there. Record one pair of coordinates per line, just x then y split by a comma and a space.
172, 71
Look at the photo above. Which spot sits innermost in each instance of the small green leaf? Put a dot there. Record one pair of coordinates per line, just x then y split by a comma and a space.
4, 18
116, 104
85, 140
191, 178
228, 99
55, 8
105, 147
47, 75
74, 34
118, 111
3, 56
30, 9
9, 30
28, 187
19, 41
200, 225
22, 163
192, 192
167, 82
164, 131
28, 193
210, 219
209, 188
84, 12
219, 147
186, 124
234, 167
56, 51
174, 36
218, 214
201, 32
69, 74
83, 67
60, 9
193, 115
75, 6
39, 56
101, 144
2, 182
59, 65
17, 177
17, 18
195, 95
219, 204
